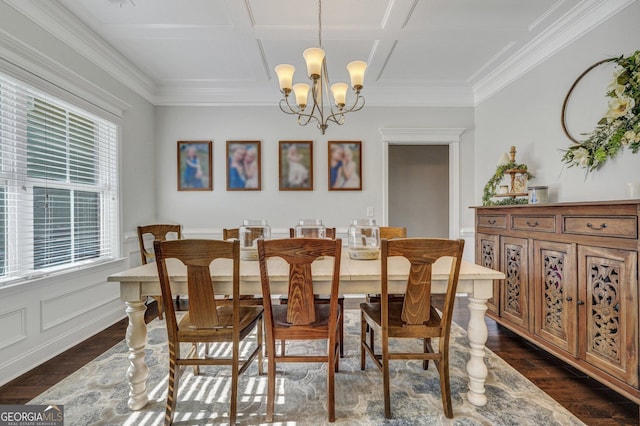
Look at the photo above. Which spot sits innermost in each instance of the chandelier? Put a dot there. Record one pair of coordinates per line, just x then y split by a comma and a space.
317, 71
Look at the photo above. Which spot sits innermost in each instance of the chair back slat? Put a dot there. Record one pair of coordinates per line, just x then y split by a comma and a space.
414, 310
300, 309
228, 233
202, 302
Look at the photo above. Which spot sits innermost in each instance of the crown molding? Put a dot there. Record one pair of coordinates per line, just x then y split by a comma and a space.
37, 69
422, 134
584, 17
59, 22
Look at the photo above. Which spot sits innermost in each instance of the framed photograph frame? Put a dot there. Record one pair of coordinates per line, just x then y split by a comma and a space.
194, 165
244, 166
345, 165
295, 165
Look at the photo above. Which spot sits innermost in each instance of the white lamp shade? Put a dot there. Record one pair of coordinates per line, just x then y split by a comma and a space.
285, 75
356, 72
339, 91
301, 91
313, 57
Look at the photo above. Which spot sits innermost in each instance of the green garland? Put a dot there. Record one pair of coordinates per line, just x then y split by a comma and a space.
490, 187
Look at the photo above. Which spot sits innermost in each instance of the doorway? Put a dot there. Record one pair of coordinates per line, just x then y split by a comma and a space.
419, 189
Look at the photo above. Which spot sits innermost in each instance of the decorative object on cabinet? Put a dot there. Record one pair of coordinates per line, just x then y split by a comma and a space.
519, 176
194, 166
295, 165
571, 283
244, 171
345, 165
620, 125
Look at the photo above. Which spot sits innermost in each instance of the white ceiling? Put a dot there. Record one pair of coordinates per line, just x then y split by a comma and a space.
420, 52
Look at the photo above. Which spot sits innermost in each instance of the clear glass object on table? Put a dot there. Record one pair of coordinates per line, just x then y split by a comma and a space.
310, 228
364, 239
249, 233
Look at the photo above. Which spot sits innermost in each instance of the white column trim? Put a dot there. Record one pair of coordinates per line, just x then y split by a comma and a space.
426, 136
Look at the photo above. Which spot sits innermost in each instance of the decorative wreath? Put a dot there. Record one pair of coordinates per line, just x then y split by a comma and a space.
619, 127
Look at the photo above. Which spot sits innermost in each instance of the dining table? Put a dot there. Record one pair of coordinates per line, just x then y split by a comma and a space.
357, 277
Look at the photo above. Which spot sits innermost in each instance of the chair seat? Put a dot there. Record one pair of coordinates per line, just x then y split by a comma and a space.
249, 315
397, 328
281, 327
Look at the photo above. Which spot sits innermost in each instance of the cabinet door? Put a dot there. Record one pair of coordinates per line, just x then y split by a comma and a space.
555, 288
514, 292
487, 251
608, 311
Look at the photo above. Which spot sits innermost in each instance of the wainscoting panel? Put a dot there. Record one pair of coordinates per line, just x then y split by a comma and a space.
13, 327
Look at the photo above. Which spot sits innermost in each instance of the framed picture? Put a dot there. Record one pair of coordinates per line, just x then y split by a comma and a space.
243, 166
345, 165
295, 165
194, 166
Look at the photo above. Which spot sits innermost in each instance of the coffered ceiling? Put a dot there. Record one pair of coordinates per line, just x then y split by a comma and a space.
216, 52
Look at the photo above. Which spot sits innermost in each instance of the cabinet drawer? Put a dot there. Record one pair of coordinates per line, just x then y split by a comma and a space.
492, 220
534, 223
605, 226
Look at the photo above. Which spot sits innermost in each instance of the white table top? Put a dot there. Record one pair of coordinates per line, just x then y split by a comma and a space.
356, 276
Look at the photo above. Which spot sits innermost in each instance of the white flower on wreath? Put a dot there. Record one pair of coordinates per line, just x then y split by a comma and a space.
619, 107
629, 136
581, 157
614, 86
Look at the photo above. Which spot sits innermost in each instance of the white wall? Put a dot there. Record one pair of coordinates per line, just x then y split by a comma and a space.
527, 114
221, 208
43, 317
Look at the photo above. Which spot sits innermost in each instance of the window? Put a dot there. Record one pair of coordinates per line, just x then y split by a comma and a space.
58, 184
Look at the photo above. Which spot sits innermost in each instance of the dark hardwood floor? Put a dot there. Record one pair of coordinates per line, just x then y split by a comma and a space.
586, 398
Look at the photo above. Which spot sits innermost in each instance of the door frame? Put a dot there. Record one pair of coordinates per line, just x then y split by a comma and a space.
426, 136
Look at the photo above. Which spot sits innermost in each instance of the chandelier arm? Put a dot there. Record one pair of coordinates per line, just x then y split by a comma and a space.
291, 110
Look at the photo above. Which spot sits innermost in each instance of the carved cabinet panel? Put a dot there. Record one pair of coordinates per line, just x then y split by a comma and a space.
555, 294
609, 315
487, 254
514, 292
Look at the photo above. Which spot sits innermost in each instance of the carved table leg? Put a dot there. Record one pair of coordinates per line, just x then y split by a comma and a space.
136, 340
476, 368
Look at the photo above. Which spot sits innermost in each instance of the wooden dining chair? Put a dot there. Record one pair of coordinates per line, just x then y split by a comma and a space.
158, 232
321, 298
414, 317
206, 322
302, 318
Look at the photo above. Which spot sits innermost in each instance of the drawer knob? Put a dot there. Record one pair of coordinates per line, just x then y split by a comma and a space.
580, 302
533, 224
491, 221
596, 228
569, 298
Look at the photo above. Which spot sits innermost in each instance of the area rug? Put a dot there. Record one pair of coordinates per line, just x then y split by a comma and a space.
97, 393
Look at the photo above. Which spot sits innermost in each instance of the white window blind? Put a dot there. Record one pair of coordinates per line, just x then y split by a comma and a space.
58, 184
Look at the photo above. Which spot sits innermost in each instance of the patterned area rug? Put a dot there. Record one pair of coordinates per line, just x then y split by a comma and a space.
97, 393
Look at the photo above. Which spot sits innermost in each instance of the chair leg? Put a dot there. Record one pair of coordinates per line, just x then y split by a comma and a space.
282, 347
371, 338
159, 302
331, 372
445, 386
260, 358
427, 349
363, 340
341, 325
172, 391
271, 378
235, 367
385, 375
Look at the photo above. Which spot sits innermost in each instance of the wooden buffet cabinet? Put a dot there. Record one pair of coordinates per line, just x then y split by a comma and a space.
571, 283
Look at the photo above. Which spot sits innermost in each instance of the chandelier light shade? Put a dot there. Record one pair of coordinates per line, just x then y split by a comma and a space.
322, 110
